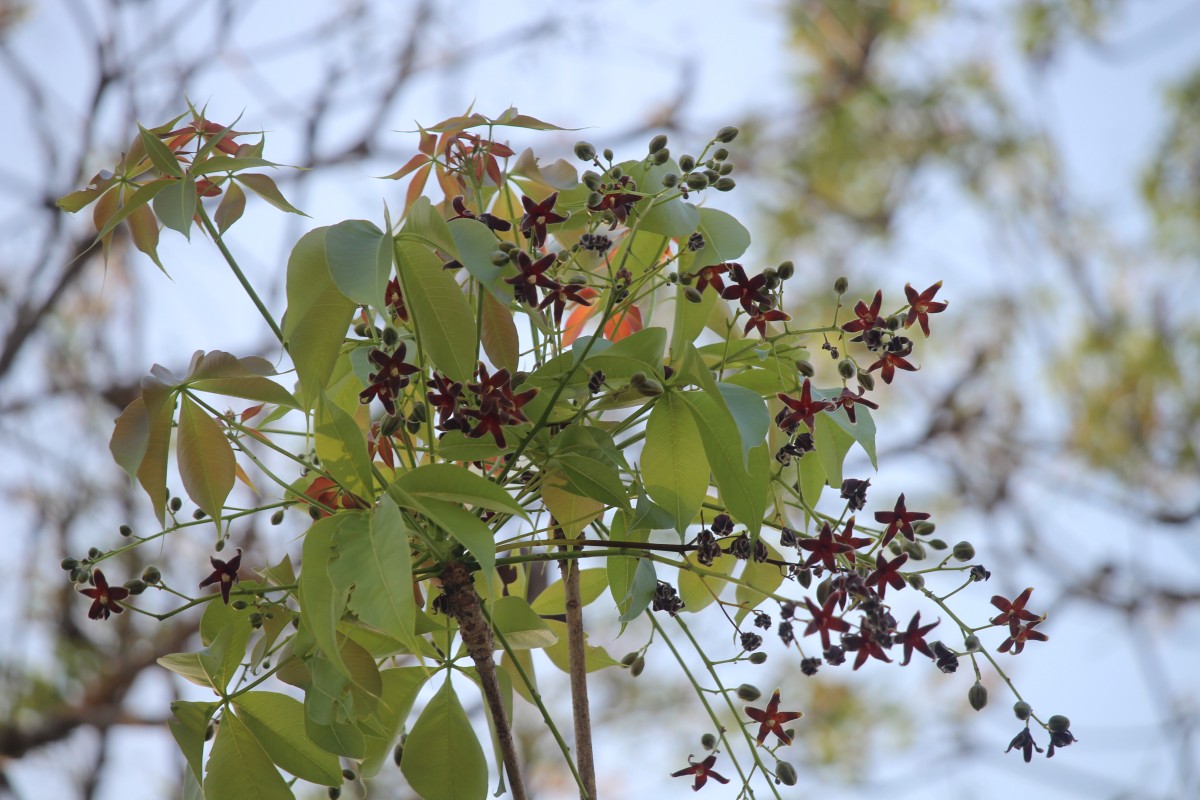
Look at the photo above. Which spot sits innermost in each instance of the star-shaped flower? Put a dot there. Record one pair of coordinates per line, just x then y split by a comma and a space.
225, 573
533, 273
771, 719
920, 306
803, 409
538, 216
105, 599
867, 317
899, 520
914, 638
703, 770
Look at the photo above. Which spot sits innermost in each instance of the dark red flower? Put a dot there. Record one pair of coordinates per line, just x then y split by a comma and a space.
498, 405
462, 212
390, 380
1019, 636
750, 292
1024, 742
105, 599
711, 275
852, 542
617, 200
892, 360
803, 410
703, 770
395, 299
532, 274
824, 548
848, 399
771, 719
867, 317
824, 620
899, 520
761, 319
920, 306
865, 647
914, 638
1012, 613
225, 573
444, 398
887, 573
538, 216
570, 292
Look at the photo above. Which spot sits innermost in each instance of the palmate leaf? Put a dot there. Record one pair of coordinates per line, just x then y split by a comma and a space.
440, 312
175, 205
443, 759
206, 462
322, 602
225, 374
552, 600
520, 625
359, 256
277, 723
675, 468
238, 766
400, 688
188, 725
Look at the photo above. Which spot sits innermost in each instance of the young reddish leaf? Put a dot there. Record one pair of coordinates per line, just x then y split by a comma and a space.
409, 166
416, 186
232, 206
144, 229
144, 194
206, 462
106, 208
443, 759
79, 200
238, 766
241, 475
264, 187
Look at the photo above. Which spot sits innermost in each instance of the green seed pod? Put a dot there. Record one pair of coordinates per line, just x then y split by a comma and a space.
499, 258
412, 426
786, 270
277, 517
697, 181
608, 154
135, 586
175, 504
1022, 710
361, 330
693, 295
971, 643
866, 380
637, 378
661, 156
94, 552
720, 154
1058, 723
637, 666
658, 143
68, 564
847, 369
841, 285
724, 184
805, 368
785, 773
151, 575
334, 792
748, 692
584, 151
125, 530
712, 175
670, 180
727, 134
390, 337
687, 162
977, 696
629, 658
805, 578
923, 527
964, 551
916, 581
594, 199
758, 658
708, 741
220, 545
508, 246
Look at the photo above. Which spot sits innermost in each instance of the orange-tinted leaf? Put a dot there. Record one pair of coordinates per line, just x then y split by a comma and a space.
233, 204
265, 187
624, 324
144, 228
416, 187
243, 477
77, 201
409, 166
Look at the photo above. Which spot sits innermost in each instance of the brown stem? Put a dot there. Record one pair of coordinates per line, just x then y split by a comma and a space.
577, 658
462, 603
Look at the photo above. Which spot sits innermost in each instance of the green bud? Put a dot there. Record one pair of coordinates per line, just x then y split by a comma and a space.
209, 731
977, 696
256, 620
277, 517
758, 658
584, 151
687, 162
708, 741
823, 590
412, 426
727, 134
79, 575
693, 295
916, 581
697, 181
658, 143
135, 586
866, 380
915, 550
894, 322
1058, 723
786, 270
937, 544
68, 564
724, 184
608, 154
499, 258
334, 792
661, 156
841, 285
637, 378
720, 154
923, 527
175, 504
199, 513
349, 774
637, 666
964, 551
420, 414
220, 545
971, 643
629, 658
397, 754
770, 278
670, 180
1022, 710
805, 368
725, 168
594, 199
508, 247
649, 388
785, 773
151, 575
847, 369
362, 330
93, 553
748, 692
125, 530
672, 277
390, 337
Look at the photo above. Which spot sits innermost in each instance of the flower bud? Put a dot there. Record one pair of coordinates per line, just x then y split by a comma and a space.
748, 692
362, 330
841, 285
349, 775
758, 658
916, 581
199, 513
94, 552
697, 181
693, 295
616, 173
238, 605
125, 530
629, 658
847, 369
708, 741
334, 792
720, 154
937, 544
220, 545
805, 368
866, 380
915, 550
608, 154
1058, 723
508, 247
151, 575
277, 517
499, 258
785, 773
412, 426
68, 564
135, 586
725, 168
1022, 710
670, 180
420, 414
727, 134
724, 184
923, 527
786, 270
594, 199
894, 322
398, 750
971, 643
661, 156
390, 337
637, 666
584, 151
175, 504
80, 575
964, 551
649, 388
977, 696
658, 143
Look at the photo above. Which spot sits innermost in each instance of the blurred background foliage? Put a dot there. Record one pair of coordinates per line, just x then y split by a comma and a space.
1055, 422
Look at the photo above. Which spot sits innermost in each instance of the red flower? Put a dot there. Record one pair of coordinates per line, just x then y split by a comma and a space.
391, 378
1018, 636
803, 410
823, 619
851, 541
444, 398
867, 317
711, 275
395, 299
498, 405
538, 216
105, 599
914, 638
894, 359
899, 520
922, 305
618, 201
702, 770
560, 296
1013, 612
493, 222
226, 573
761, 319
866, 647
887, 572
771, 719
824, 548
750, 292
848, 399
533, 273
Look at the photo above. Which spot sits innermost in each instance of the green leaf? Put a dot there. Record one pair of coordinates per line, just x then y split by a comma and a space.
442, 317
749, 412
759, 580
641, 351
498, 334
812, 478
189, 725
522, 628
323, 604
100, 183
277, 722
443, 759
359, 256
144, 194
225, 374
743, 492
329, 714
675, 217
552, 600
424, 222
239, 767
640, 251
456, 484
689, 320
160, 155
675, 469
463, 526
400, 688
725, 239
862, 431
594, 657
571, 511
141, 441
476, 243
592, 478
318, 315
206, 463
175, 205
374, 564
698, 591
232, 206
456, 446
230, 164
264, 187
342, 448
635, 580
219, 619
832, 444
143, 227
